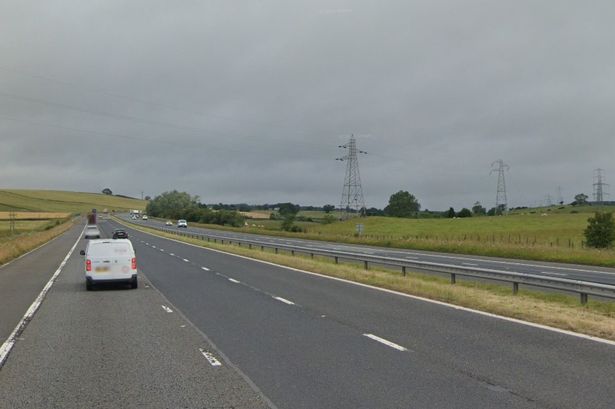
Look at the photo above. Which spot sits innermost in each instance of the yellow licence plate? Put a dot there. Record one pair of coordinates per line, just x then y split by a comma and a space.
101, 269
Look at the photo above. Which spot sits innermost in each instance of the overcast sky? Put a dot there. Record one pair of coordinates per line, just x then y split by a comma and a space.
247, 101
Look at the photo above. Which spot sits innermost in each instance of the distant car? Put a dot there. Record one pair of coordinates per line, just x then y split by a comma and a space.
92, 232
182, 223
144, 217
110, 261
120, 234
168, 223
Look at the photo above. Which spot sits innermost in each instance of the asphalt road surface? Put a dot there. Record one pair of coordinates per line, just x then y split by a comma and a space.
283, 338
559, 270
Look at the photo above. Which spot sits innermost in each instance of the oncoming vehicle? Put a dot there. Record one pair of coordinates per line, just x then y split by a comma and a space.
168, 223
182, 223
92, 232
120, 234
144, 217
110, 261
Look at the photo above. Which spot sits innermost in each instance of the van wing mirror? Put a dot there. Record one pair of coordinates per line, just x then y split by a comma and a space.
82, 252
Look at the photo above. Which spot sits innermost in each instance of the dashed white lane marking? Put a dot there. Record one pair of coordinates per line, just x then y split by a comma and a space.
552, 273
153, 246
161, 250
210, 357
167, 309
386, 342
171, 254
204, 268
147, 244
186, 260
284, 300
232, 280
470, 264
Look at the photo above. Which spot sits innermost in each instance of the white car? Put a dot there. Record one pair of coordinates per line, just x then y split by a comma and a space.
168, 223
144, 217
92, 232
110, 261
182, 223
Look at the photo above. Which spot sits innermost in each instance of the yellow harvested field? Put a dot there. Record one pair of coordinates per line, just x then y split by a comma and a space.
33, 215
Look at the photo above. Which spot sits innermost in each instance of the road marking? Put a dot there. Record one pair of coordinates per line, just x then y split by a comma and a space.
205, 268
232, 280
186, 260
210, 357
147, 244
167, 309
469, 264
7, 346
385, 342
552, 273
162, 250
411, 258
153, 246
171, 254
284, 300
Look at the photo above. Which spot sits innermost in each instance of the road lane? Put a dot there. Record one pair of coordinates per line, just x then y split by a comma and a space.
560, 270
315, 352
22, 280
113, 348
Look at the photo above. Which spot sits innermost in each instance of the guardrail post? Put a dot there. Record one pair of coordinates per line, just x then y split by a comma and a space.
311, 255
276, 250
403, 270
365, 264
239, 243
292, 252
584, 298
250, 245
515, 288
262, 248
208, 238
336, 260
453, 278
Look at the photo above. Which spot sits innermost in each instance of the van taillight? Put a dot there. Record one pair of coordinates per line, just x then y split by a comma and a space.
88, 265
134, 263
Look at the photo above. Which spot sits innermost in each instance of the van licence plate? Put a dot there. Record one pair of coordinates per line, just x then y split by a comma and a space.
101, 269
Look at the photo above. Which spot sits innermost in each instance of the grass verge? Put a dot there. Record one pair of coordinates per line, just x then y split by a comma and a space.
597, 318
15, 247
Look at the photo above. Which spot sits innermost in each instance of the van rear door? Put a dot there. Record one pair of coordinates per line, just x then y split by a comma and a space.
111, 257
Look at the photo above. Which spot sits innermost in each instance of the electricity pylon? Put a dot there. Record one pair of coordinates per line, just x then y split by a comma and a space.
352, 192
501, 202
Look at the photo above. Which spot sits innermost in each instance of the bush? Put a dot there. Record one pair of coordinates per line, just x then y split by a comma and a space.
600, 231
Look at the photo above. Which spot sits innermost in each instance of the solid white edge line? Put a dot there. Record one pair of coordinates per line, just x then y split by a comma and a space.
284, 300
386, 342
210, 357
415, 297
7, 346
232, 280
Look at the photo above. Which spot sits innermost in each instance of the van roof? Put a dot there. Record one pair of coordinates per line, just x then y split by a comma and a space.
101, 247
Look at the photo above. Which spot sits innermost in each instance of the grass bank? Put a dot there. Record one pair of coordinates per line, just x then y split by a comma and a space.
596, 318
14, 246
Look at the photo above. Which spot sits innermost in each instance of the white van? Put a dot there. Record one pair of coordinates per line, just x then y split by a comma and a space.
110, 261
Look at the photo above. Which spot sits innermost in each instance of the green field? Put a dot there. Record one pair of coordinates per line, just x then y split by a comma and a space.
62, 201
549, 234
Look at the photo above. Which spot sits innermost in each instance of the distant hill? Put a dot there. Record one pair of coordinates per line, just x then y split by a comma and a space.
63, 201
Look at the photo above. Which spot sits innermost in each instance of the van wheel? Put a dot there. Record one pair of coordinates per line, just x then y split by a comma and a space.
89, 286
134, 284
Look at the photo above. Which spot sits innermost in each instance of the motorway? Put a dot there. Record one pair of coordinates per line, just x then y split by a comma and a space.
282, 338
558, 270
